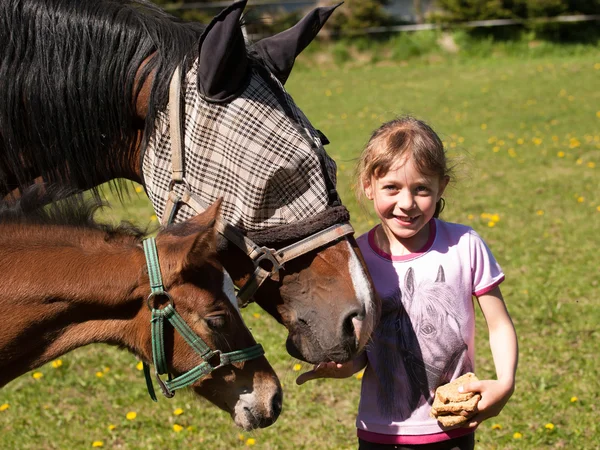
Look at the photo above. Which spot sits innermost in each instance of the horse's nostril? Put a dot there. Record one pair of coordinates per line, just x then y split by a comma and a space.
277, 404
351, 327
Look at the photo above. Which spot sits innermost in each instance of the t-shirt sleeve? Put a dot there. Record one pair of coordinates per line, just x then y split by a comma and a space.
485, 270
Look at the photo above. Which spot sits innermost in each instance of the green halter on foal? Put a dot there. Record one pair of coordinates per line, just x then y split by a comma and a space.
158, 348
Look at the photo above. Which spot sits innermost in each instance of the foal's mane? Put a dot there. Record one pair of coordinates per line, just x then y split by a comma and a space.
67, 75
73, 211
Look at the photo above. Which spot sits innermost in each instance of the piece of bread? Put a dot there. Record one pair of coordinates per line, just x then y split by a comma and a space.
449, 392
452, 408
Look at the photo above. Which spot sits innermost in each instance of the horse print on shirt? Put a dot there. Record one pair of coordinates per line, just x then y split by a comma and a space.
420, 339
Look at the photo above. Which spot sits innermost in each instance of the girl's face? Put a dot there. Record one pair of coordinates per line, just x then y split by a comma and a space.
405, 199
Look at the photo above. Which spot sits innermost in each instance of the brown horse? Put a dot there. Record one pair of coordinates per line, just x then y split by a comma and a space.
97, 90
69, 282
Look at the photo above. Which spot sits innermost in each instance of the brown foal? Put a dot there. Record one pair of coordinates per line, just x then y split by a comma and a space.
68, 283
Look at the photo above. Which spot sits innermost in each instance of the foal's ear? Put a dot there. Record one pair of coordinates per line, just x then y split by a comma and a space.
279, 52
203, 243
222, 59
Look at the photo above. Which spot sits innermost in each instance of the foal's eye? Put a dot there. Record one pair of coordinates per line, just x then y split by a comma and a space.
215, 321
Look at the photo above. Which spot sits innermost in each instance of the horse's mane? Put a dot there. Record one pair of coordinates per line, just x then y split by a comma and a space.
67, 73
75, 209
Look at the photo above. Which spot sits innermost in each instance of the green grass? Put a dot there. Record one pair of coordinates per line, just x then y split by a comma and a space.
525, 134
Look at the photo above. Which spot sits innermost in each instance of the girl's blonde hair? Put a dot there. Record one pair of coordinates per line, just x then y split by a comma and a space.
397, 139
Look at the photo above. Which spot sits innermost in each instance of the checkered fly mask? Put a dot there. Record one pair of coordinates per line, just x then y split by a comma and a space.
258, 151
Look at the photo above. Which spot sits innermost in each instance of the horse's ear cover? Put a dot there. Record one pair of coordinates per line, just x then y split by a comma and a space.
280, 51
222, 60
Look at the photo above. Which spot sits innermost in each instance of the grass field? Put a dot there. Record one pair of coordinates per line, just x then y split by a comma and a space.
525, 135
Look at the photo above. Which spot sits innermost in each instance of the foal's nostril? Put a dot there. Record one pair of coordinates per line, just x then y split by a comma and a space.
277, 404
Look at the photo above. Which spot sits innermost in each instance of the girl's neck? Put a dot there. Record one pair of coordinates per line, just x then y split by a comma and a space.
394, 246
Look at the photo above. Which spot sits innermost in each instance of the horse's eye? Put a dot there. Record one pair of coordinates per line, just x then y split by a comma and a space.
215, 321
427, 329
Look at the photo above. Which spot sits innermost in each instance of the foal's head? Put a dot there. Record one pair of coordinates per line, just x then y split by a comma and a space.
202, 294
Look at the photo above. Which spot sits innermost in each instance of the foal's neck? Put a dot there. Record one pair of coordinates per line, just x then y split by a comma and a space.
60, 294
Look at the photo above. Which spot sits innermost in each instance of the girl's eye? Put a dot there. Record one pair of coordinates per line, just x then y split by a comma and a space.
422, 189
215, 321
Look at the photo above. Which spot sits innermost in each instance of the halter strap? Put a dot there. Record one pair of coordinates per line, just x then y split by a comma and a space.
198, 345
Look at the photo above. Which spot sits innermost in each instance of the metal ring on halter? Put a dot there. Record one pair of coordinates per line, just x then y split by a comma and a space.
183, 181
156, 294
221, 359
269, 255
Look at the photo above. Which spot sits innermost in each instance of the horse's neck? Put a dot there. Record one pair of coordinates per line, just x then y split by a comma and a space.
58, 297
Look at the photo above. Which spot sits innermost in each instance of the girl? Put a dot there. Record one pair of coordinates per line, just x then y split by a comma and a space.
426, 272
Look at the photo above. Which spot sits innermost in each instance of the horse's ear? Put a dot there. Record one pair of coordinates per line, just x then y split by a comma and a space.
279, 52
441, 277
222, 59
204, 242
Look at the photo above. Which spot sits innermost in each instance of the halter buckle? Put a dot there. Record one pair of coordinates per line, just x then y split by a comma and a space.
222, 361
267, 254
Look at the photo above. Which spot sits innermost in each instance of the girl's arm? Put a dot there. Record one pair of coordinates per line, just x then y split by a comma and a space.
504, 347
334, 370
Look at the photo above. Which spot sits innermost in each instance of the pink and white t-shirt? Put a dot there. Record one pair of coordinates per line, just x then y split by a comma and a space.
426, 334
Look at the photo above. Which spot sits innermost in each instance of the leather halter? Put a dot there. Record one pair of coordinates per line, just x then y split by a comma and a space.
276, 259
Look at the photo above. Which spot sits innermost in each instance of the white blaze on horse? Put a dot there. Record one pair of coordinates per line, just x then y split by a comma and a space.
70, 282
96, 90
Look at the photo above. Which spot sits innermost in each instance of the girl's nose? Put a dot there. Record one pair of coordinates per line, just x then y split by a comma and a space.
406, 200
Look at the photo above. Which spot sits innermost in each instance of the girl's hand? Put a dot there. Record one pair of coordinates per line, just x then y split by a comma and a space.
327, 370
494, 395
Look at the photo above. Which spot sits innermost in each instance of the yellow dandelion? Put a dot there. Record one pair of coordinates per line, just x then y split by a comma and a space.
496, 149
191, 428
495, 218
470, 217
562, 93
97, 444
178, 412
496, 426
580, 199
491, 224
131, 415
359, 375
591, 164
328, 93
241, 437
461, 139
177, 428
492, 139
250, 441
139, 189
597, 66
106, 369
549, 426
555, 138
574, 143
256, 315
485, 215
56, 363
500, 142
139, 366
99, 374
520, 141
153, 218
517, 435
112, 427
598, 208
37, 375
573, 399
484, 126
598, 114
561, 154
512, 153
579, 161
4, 406
525, 291
539, 212
297, 367
537, 141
